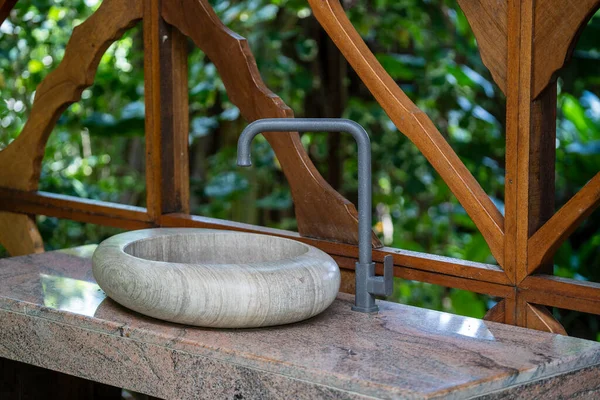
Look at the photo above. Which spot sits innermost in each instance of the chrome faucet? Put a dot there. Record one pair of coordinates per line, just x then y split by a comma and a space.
368, 285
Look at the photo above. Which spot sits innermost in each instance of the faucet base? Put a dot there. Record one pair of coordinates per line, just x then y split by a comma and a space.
372, 309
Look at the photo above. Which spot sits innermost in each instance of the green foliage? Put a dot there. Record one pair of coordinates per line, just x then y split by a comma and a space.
97, 148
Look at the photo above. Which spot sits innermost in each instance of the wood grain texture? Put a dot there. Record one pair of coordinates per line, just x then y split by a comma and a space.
542, 160
152, 100
216, 278
175, 125
20, 161
488, 20
536, 317
497, 312
412, 122
19, 234
321, 212
546, 241
167, 116
539, 318
530, 159
518, 122
554, 291
558, 24
74, 208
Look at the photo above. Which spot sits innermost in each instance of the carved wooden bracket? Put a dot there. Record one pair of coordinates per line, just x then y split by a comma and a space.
19, 234
556, 27
524, 44
488, 19
20, 162
538, 317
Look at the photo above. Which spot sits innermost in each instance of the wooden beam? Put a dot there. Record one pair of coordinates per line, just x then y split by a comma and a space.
565, 293
530, 161
74, 208
546, 241
175, 124
152, 78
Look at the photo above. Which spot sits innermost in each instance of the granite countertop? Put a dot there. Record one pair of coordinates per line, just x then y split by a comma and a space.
54, 315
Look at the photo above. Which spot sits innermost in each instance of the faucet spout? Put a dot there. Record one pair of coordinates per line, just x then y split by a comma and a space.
367, 284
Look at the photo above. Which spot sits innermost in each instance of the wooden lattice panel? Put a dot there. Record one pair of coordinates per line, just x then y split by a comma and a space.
522, 42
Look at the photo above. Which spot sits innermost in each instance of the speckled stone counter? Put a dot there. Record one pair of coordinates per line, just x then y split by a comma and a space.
53, 315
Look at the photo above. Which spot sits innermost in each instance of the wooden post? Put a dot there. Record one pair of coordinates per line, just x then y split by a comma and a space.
174, 120
530, 162
167, 116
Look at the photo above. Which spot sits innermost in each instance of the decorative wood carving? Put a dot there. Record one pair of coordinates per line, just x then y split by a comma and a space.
411, 121
534, 317
19, 234
538, 317
20, 162
488, 19
557, 25
321, 212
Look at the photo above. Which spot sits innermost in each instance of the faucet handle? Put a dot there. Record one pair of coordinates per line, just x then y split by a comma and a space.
388, 275
383, 285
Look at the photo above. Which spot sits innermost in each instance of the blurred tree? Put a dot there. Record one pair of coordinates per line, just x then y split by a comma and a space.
97, 149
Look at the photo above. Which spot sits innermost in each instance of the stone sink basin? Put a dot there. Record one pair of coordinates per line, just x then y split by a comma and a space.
216, 278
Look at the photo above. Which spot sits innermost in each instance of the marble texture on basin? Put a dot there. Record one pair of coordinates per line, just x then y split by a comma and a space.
216, 278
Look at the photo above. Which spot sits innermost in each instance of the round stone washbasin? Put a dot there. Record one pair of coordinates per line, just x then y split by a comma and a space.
216, 278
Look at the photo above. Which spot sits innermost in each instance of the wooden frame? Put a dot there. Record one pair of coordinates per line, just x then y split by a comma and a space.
514, 38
